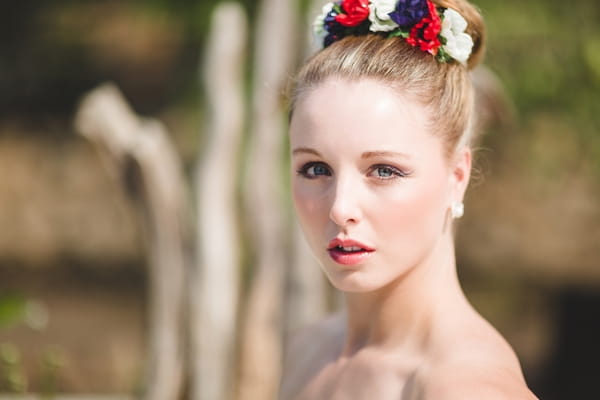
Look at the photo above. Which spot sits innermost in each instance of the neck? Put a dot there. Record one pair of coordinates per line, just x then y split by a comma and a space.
403, 312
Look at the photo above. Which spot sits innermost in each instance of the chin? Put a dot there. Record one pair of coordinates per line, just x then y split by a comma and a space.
354, 280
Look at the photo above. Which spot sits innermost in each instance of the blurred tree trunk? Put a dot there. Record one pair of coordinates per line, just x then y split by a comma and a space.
215, 284
262, 336
141, 153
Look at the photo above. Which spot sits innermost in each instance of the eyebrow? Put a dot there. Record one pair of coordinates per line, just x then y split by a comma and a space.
375, 154
306, 150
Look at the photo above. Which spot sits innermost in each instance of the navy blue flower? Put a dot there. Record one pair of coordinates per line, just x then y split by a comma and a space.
330, 18
334, 29
409, 12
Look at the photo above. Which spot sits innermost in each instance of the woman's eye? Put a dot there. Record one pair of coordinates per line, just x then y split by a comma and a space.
314, 169
386, 172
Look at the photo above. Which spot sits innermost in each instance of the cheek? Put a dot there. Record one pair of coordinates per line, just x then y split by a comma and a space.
414, 210
309, 205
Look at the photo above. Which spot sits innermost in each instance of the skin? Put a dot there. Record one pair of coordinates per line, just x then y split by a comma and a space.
367, 167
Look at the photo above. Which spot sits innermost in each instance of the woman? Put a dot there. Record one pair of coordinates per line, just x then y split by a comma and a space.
381, 134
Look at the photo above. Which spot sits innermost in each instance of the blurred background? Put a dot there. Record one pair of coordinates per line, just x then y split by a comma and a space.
79, 225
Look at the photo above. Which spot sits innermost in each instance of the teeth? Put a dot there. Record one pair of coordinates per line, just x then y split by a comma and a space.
352, 248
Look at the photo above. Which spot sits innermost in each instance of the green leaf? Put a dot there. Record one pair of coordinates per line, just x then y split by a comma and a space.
399, 33
443, 56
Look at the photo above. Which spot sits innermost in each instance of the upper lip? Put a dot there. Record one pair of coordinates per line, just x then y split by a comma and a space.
337, 242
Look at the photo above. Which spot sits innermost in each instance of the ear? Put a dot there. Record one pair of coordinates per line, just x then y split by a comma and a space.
461, 173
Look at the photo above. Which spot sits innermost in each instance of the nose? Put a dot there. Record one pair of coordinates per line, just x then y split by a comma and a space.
345, 209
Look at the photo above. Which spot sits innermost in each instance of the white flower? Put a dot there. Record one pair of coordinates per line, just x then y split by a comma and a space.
319, 24
458, 43
379, 15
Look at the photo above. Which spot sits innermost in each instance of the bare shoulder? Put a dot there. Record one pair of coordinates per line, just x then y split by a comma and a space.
460, 382
309, 349
477, 365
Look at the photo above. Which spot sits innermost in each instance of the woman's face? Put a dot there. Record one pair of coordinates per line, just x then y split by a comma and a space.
371, 185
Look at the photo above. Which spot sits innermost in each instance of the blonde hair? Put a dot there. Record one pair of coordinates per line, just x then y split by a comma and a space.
445, 88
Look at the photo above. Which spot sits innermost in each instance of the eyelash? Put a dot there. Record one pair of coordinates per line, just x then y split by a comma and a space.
396, 172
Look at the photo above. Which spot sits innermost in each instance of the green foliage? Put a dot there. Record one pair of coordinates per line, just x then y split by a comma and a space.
547, 53
12, 375
12, 309
12, 378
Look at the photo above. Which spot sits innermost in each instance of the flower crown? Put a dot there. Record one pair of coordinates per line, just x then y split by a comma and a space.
436, 30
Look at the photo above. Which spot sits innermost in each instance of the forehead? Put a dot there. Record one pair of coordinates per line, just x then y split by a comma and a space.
365, 114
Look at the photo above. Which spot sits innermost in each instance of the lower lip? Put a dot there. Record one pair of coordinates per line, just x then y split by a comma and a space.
345, 258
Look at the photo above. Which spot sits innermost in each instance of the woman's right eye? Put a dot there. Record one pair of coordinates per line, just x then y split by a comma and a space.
313, 170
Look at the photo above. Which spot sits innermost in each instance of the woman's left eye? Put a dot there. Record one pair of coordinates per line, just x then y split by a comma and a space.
386, 172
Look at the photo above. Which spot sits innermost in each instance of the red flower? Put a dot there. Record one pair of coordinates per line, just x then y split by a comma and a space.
356, 11
425, 33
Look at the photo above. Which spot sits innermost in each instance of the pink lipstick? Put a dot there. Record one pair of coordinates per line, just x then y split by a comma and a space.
348, 252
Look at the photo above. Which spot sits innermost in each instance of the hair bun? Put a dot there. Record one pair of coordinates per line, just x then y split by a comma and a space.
475, 27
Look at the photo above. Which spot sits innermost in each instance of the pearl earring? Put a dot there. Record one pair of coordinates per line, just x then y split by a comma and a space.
458, 209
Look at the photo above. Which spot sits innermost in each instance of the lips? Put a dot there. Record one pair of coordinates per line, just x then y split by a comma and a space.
348, 252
